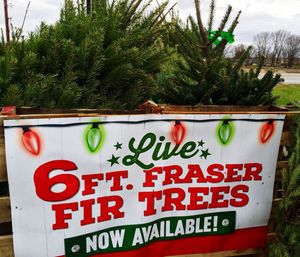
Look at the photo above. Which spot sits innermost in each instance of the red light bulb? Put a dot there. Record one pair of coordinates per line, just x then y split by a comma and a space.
31, 141
178, 133
267, 132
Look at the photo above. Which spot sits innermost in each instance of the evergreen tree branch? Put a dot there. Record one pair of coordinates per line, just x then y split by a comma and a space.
241, 61
203, 32
211, 15
163, 17
222, 25
234, 23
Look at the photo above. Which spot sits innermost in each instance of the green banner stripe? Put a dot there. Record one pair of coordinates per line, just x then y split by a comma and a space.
130, 237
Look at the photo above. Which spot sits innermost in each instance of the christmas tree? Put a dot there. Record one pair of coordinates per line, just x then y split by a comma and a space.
203, 73
100, 54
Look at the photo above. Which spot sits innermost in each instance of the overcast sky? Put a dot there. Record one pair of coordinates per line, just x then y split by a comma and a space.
257, 15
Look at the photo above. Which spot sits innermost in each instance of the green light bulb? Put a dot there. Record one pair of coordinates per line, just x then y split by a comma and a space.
93, 138
225, 132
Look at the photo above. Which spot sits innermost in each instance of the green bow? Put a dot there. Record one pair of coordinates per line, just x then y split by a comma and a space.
222, 34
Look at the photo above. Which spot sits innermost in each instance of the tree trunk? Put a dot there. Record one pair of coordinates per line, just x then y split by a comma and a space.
6, 23
88, 6
290, 62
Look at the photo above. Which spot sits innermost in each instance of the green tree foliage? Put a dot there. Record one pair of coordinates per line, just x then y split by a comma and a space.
108, 58
202, 73
287, 238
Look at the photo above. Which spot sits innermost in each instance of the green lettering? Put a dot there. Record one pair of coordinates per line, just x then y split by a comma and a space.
143, 147
189, 147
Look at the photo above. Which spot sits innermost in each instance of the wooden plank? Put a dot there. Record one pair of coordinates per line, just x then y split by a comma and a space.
271, 236
224, 112
272, 221
3, 172
275, 205
278, 176
218, 112
165, 107
5, 211
276, 201
289, 122
6, 250
4, 191
29, 110
151, 107
223, 108
186, 110
282, 165
287, 138
64, 115
224, 253
6, 246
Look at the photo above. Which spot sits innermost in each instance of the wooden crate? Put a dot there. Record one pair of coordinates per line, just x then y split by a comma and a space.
6, 239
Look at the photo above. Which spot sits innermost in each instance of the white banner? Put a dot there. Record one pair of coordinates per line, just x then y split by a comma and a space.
114, 185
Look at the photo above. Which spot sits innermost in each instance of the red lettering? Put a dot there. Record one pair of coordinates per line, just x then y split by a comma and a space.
232, 171
252, 171
150, 198
173, 198
217, 197
239, 192
61, 216
194, 172
43, 183
116, 179
215, 172
87, 212
196, 198
106, 209
172, 174
89, 183
149, 176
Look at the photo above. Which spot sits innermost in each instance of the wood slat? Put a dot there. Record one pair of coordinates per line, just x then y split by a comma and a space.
276, 202
278, 176
3, 172
223, 108
6, 246
5, 212
275, 205
29, 110
6, 250
282, 165
287, 138
271, 236
224, 253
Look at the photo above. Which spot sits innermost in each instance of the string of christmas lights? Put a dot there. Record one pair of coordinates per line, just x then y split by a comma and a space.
94, 136
139, 122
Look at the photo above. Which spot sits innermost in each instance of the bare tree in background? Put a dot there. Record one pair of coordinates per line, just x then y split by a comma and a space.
262, 43
88, 6
278, 39
291, 50
238, 51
